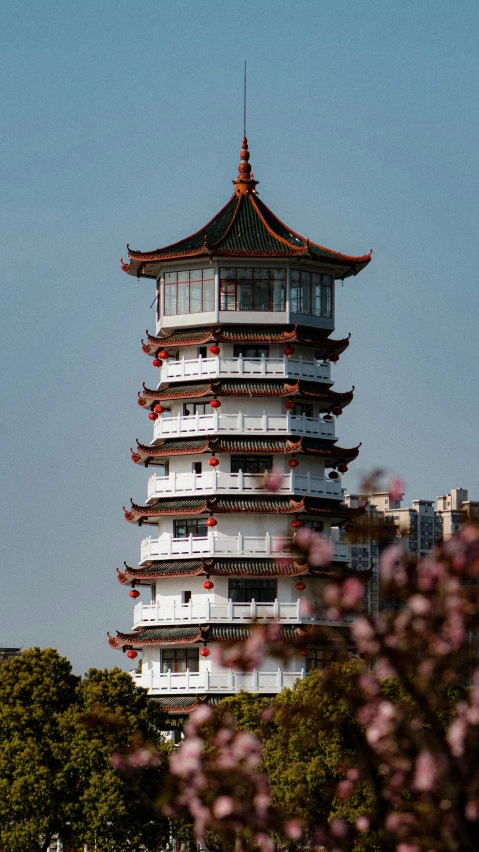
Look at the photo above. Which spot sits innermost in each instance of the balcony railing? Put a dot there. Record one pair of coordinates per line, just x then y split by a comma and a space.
212, 481
218, 366
205, 611
215, 544
216, 422
221, 681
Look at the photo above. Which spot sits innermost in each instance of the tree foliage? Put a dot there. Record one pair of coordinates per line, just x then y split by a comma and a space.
58, 733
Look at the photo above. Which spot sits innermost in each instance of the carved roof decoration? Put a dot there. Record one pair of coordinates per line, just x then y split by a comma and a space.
146, 454
226, 504
193, 634
246, 334
244, 227
327, 398
232, 567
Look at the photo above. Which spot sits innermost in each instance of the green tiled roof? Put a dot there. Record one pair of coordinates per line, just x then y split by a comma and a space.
206, 633
244, 333
188, 633
248, 387
233, 567
284, 445
244, 227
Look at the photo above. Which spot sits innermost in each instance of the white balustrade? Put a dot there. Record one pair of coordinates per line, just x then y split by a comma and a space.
202, 611
225, 680
242, 424
219, 366
212, 481
215, 544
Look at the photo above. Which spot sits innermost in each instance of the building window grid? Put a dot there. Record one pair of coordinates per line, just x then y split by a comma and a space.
251, 464
180, 660
189, 292
252, 289
311, 293
244, 590
190, 526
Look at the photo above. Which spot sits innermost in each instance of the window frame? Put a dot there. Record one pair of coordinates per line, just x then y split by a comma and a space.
311, 293
180, 286
266, 589
193, 526
250, 464
180, 657
253, 293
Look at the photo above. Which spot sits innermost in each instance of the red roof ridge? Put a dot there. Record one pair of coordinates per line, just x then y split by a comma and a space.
272, 233
309, 242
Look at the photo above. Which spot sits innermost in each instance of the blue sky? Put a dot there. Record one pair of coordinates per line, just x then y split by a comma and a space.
122, 122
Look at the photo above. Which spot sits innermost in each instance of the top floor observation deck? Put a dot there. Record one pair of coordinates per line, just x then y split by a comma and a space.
244, 261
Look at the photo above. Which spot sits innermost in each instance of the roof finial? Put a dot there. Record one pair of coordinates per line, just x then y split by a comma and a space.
244, 102
245, 182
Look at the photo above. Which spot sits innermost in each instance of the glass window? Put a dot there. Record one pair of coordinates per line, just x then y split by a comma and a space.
251, 464
305, 408
317, 526
190, 526
244, 590
228, 296
319, 658
189, 292
250, 351
252, 289
311, 294
191, 408
180, 659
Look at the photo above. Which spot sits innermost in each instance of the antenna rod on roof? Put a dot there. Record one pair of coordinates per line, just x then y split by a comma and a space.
244, 100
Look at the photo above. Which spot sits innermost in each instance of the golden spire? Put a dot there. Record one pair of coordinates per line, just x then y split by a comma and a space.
245, 182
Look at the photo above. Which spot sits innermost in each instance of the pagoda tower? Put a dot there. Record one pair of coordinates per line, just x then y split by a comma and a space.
244, 451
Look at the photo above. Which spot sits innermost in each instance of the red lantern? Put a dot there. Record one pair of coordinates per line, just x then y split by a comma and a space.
288, 351
215, 350
208, 585
153, 416
334, 357
343, 468
296, 524
305, 652
211, 522
215, 403
156, 362
159, 409
336, 411
213, 461
204, 652
293, 462
300, 586
349, 528
334, 474
132, 654
289, 405
134, 593
163, 354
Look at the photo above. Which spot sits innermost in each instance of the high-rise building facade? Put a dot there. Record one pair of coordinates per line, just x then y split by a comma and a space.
244, 450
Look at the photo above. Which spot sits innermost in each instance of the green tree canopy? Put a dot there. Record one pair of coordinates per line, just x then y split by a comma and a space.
58, 733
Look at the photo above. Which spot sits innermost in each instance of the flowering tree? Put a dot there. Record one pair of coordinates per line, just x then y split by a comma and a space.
406, 777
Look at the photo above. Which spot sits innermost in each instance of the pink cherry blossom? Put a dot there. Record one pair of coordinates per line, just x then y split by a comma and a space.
425, 774
223, 806
293, 829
